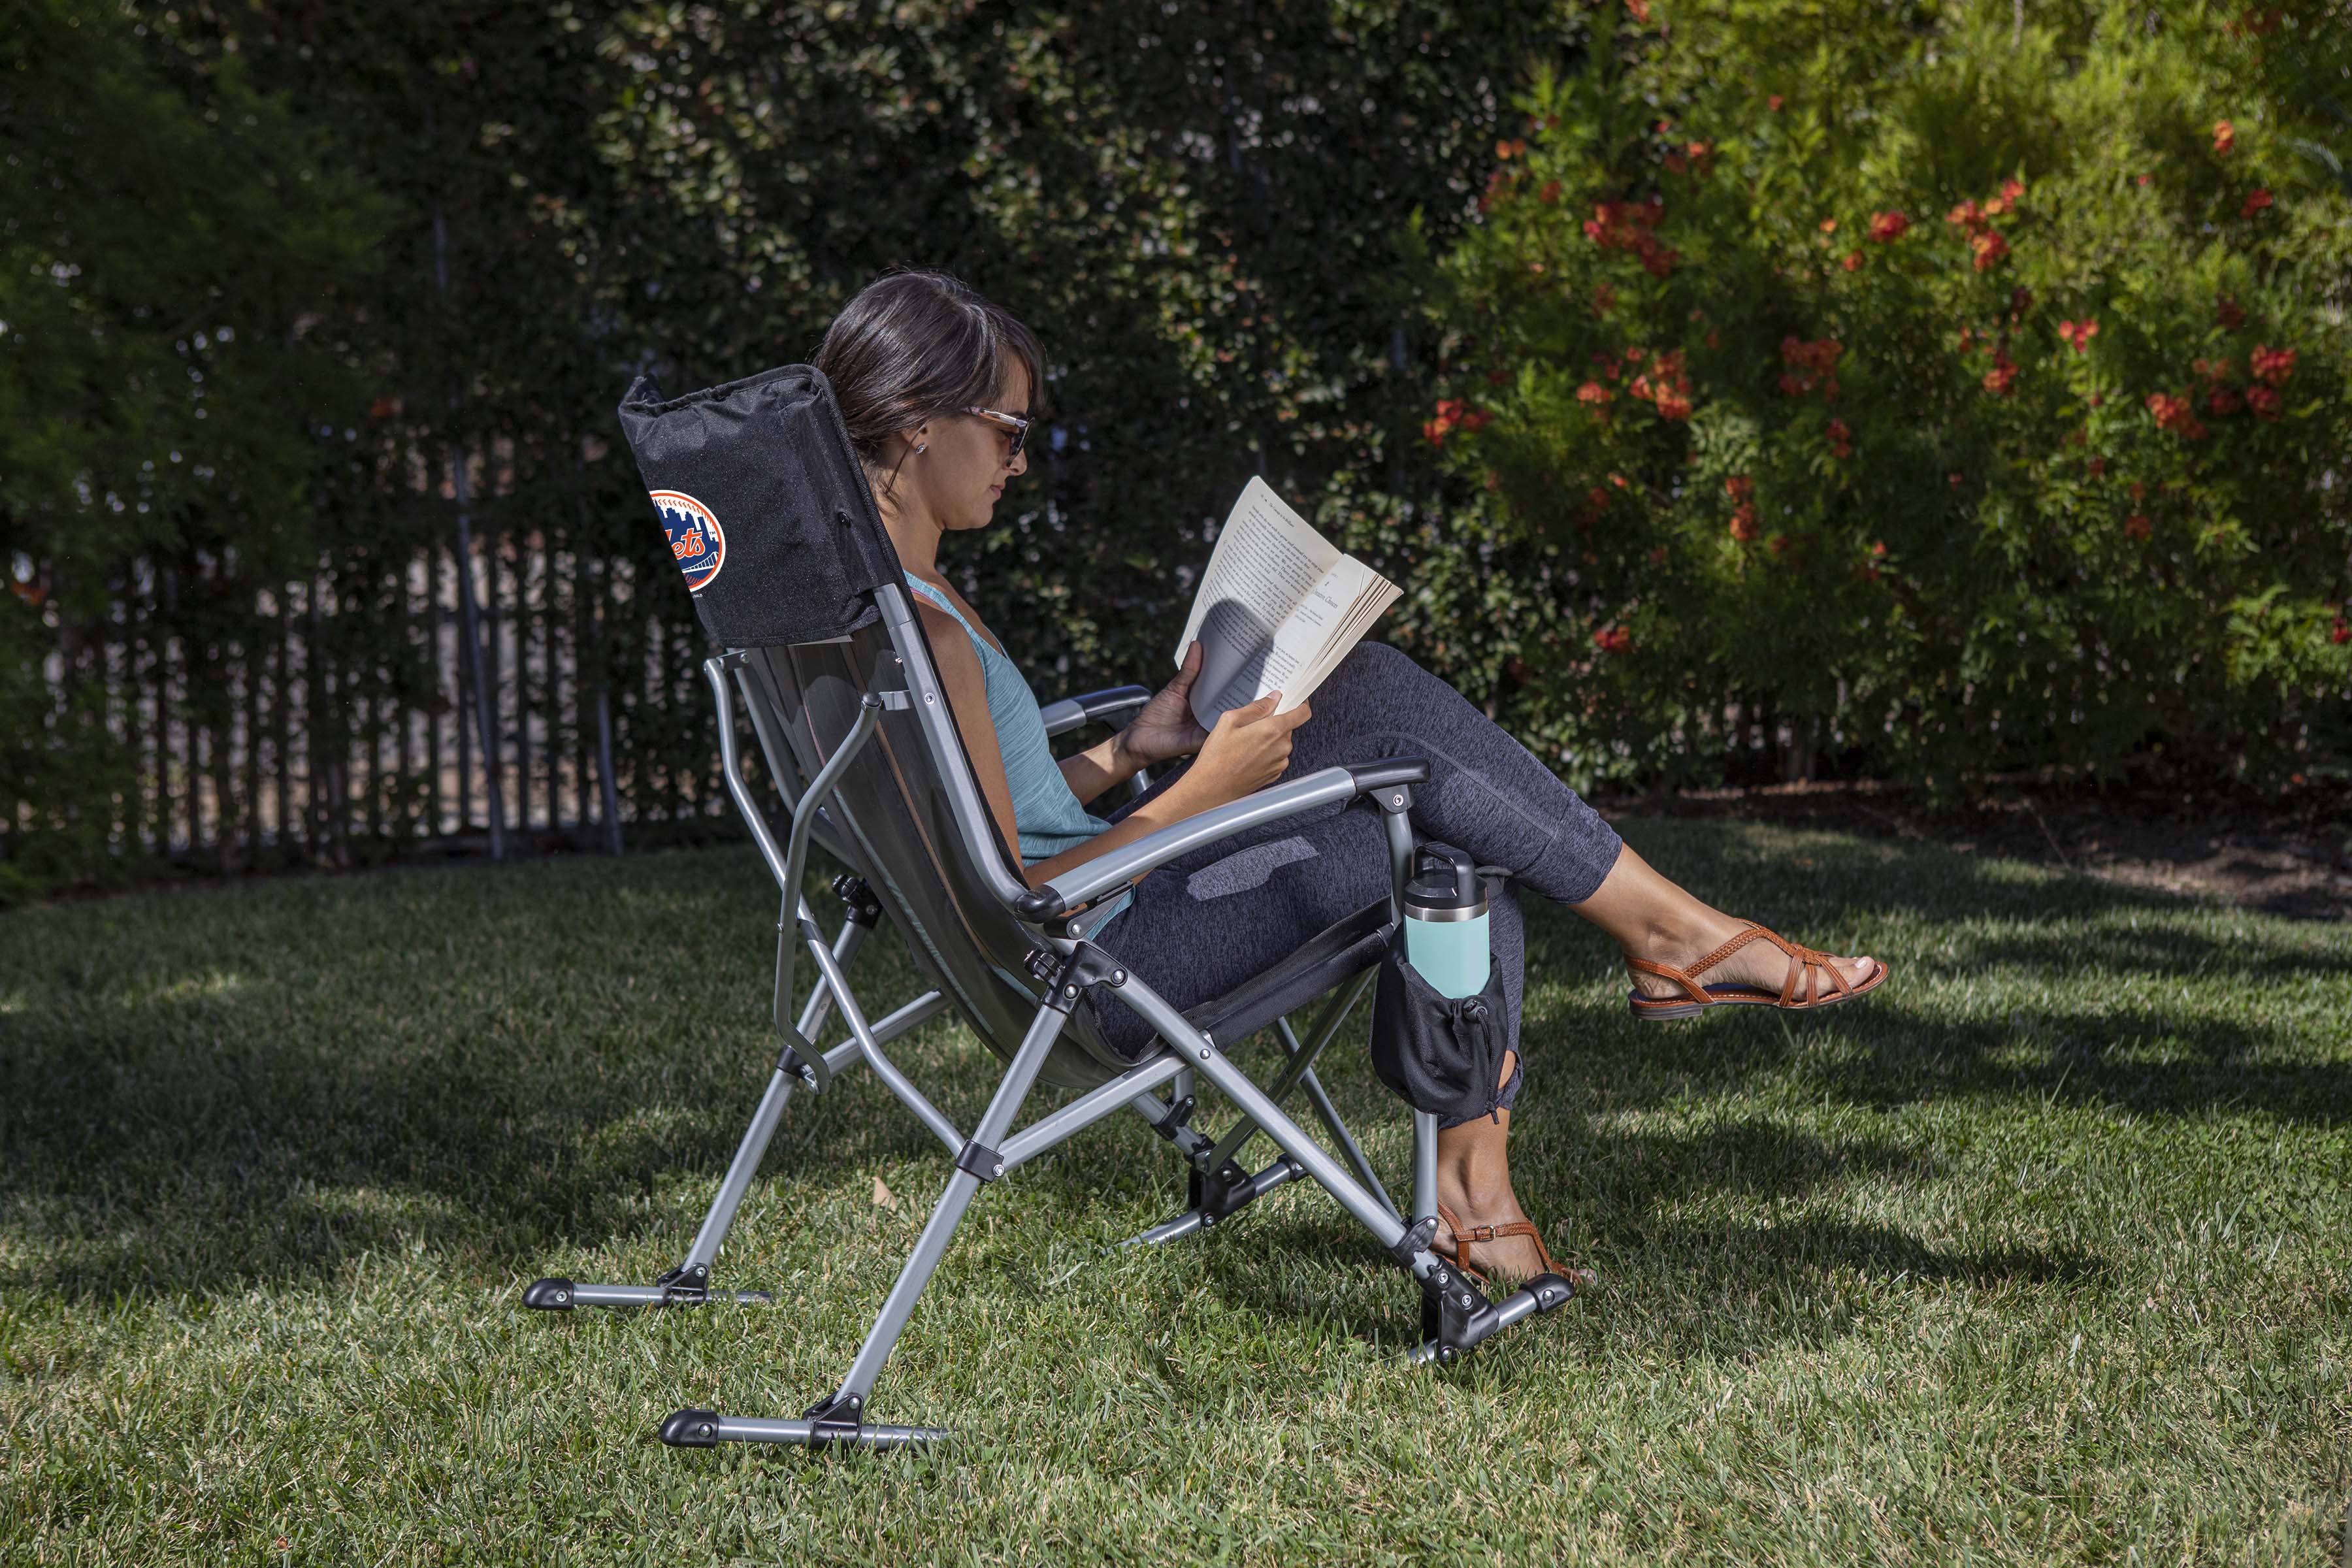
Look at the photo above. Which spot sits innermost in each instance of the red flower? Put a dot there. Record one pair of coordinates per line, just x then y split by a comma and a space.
2228, 311
2011, 190
2078, 334
1739, 487
1597, 499
1852, 262
2225, 137
2097, 465
2144, 180
1743, 523
1988, 246
1779, 545
2138, 526
2343, 632
1639, 10
2173, 414
2264, 402
2137, 489
1509, 149
1594, 395
1968, 214
2002, 378
1773, 103
1550, 195
2224, 402
1672, 405
1887, 228
382, 409
1840, 439
1614, 639
2256, 200
1449, 414
2274, 366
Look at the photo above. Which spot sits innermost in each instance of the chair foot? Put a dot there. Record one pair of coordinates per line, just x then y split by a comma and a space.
1457, 1317
1218, 1195
707, 1429
562, 1296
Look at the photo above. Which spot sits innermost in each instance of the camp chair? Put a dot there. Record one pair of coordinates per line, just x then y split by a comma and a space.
833, 667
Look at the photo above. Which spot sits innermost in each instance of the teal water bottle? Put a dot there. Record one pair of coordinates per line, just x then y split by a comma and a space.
1445, 921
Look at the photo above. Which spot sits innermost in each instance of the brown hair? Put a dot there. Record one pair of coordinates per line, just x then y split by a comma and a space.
916, 345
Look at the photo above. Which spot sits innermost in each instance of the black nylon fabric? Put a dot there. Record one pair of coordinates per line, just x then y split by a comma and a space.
766, 510
1437, 1053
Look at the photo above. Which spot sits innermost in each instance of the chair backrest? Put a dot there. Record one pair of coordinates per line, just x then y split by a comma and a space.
908, 817
770, 517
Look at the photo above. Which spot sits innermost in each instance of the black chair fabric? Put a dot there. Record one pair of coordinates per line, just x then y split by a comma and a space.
766, 510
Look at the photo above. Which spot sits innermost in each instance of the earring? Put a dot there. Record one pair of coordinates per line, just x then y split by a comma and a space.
921, 447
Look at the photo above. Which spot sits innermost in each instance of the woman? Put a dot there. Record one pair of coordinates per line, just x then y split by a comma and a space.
935, 384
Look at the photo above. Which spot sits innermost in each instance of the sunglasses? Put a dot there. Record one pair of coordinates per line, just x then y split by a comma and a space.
1015, 428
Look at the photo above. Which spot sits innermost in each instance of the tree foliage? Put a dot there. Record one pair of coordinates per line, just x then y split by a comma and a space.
1952, 387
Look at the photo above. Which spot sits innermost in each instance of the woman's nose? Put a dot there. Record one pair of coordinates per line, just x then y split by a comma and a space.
1020, 463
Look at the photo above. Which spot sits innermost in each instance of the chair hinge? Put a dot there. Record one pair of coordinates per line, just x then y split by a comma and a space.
865, 909
1170, 1125
683, 1285
1415, 1240
978, 1159
810, 1070
1086, 966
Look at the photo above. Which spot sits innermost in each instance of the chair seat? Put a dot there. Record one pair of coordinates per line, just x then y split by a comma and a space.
1326, 961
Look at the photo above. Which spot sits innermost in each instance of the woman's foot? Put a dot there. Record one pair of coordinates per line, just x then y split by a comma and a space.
1760, 963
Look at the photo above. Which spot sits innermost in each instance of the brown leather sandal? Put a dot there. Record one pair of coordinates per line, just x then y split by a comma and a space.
1465, 1236
1805, 964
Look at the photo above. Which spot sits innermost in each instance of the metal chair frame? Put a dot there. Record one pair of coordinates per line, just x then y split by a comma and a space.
830, 771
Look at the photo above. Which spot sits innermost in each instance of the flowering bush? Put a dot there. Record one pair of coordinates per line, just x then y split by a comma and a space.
1970, 395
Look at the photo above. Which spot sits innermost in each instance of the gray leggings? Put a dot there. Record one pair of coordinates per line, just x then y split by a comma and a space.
1204, 924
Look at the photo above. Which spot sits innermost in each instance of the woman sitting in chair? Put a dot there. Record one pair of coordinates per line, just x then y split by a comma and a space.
934, 383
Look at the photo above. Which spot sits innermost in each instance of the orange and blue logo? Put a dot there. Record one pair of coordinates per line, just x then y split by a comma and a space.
696, 542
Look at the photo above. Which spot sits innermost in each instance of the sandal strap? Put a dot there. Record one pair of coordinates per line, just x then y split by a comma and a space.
1466, 1236
1691, 987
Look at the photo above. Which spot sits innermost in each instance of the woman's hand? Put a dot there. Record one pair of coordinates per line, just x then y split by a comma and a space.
1246, 752
1164, 727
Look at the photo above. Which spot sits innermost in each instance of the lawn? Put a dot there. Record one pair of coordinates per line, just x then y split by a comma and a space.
2045, 1254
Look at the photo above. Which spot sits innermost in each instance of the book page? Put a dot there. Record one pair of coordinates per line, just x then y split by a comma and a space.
1268, 560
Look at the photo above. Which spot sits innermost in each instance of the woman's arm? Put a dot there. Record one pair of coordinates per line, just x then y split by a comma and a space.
1099, 766
1248, 751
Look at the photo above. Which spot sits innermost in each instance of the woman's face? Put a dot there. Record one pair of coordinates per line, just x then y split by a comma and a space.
963, 469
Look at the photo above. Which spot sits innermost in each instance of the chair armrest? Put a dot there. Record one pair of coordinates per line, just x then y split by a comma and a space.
1072, 712
1083, 884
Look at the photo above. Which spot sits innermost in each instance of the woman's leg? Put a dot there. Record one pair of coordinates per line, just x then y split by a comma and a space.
1489, 795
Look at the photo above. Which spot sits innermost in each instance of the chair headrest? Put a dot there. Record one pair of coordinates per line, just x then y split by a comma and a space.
766, 508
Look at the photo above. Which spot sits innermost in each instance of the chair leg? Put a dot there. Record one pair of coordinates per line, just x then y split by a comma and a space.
1456, 1316
689, 1283
840, 1417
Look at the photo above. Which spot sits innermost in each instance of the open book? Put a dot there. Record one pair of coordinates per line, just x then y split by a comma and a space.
1277, 610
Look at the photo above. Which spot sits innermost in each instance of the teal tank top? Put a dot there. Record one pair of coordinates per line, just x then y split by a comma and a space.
1046, 817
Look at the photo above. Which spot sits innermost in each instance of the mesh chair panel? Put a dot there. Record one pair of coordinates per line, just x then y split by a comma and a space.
893, 817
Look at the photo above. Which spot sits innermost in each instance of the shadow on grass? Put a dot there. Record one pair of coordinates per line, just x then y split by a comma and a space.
186, 1136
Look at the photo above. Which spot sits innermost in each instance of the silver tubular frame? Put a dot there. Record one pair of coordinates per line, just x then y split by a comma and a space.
1188, 1058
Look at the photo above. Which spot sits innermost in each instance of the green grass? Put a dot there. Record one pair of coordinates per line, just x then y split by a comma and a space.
2041, 1256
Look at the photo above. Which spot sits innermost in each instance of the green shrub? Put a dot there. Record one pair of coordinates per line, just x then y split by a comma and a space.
1946, 388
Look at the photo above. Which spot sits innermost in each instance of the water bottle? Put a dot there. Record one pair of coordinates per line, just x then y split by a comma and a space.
1445, 921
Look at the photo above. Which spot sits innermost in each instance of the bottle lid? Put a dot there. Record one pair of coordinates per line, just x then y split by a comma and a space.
1445, 879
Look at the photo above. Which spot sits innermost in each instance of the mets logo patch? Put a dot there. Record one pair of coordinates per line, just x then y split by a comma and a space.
696, 542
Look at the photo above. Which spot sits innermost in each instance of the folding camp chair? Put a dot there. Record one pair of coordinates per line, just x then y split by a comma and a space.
834, 668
